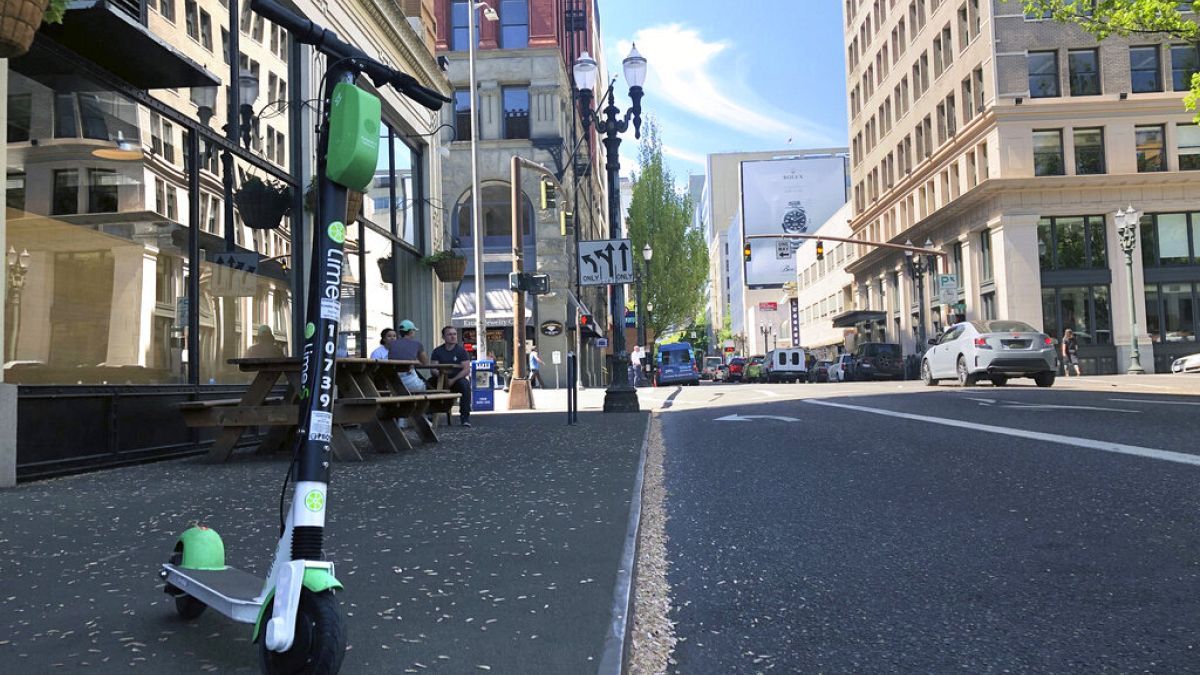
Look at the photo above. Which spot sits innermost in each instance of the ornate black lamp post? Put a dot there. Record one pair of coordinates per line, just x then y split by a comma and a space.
1128, 221
620, 396
647, 253
916, 271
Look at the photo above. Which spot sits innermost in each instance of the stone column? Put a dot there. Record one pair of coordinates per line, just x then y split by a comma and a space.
1017, 271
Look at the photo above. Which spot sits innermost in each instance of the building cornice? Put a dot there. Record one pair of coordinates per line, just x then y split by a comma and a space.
405, 43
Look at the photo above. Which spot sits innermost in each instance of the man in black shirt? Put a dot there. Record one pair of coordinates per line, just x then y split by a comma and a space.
452, 352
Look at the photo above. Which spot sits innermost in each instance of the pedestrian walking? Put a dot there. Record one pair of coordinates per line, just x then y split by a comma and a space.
1070, 353
535, 369
386, 338
635, 365
452, 352
408, 348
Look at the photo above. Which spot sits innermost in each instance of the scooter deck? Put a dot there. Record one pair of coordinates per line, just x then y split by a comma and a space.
232, 592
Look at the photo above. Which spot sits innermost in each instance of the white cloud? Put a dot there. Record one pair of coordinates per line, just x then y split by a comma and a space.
682, 69
684, 155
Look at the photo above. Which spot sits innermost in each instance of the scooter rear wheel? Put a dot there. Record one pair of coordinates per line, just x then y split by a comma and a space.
320, 642
185, 605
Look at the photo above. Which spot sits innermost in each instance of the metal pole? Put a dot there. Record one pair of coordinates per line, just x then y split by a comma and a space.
520, 396
620, 395
476, 228
1135, 357
641, 317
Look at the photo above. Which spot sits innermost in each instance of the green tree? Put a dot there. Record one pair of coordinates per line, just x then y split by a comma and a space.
1102, 18
662, 216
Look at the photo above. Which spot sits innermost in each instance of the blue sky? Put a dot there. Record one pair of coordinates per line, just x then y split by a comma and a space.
768, 76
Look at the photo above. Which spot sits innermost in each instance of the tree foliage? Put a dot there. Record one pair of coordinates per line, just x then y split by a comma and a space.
1123, 18
662, 216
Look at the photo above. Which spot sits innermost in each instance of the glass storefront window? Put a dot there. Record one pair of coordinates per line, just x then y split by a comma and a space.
496, 220
1075, 242
1179, 318
1153, 320
1069, 246
1084, 309
1173, 239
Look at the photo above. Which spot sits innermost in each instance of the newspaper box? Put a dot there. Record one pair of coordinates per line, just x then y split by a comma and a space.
483, 384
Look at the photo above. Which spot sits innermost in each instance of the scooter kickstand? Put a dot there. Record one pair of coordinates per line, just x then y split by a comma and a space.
281, 629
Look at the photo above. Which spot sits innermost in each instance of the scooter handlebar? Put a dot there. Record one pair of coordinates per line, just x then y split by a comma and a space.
327, 42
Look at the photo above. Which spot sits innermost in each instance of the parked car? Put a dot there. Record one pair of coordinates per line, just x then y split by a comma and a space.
878, 361
788, 364
711, 365
1186, 364
819, 372
676, 364
996, 349
754, 369
736, 367
840, 368
722, 373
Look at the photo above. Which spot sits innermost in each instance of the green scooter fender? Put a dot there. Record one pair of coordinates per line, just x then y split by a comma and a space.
315, 580
202, 549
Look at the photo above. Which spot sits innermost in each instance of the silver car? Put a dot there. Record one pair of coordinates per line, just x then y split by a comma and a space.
994, 349
1186, 364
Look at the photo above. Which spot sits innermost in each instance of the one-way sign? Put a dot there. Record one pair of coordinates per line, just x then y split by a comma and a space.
606, 261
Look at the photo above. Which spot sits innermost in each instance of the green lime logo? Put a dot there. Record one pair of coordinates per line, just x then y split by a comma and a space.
337, 231
314, 501
309, 330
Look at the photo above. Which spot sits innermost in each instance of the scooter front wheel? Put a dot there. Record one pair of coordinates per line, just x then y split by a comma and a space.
185, 605
320, 642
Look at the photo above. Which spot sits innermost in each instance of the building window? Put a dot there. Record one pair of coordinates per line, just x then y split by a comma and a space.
1089, 151
1184, 63
985, 256
1048, 153
65, 199
1072, 243
516, 112
206, 30
495, 215
1150, 154
987, 303
1171, 312
1083, 65
1083, 309
102, 191
1145, 70
191, 19
20, 117
1187, 140
14, 194
1043, 74
514, 24
459, 27
462, 115
167, 9
1169, 239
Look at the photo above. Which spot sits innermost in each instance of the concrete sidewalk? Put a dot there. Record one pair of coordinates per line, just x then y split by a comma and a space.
497, 550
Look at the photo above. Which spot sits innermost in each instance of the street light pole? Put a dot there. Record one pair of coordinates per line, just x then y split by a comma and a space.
916, 271
1127, 224
647, 254
476, 226
18, 267
620, 396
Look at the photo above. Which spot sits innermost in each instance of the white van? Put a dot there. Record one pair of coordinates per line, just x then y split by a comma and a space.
786, 365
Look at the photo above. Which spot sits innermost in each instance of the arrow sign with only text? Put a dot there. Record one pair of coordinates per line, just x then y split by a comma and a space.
605, 261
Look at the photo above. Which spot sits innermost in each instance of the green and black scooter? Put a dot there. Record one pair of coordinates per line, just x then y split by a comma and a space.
296, 622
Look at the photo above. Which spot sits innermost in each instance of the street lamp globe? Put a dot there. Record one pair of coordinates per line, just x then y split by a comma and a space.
908, 251
647, 253
635, 67
585, 72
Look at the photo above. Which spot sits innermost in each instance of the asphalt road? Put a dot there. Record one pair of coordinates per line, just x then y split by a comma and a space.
904, 529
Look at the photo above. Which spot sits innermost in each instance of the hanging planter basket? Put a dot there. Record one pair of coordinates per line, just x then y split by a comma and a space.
386, 271
450, 270
354, 200
19, 20
263, 204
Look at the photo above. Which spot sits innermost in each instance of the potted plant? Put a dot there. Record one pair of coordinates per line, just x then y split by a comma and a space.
354, 200
387, 273
20, 19
262, 203
449, 265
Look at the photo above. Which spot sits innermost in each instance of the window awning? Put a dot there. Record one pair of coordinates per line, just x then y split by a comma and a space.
127, 48
497, 308
852, 318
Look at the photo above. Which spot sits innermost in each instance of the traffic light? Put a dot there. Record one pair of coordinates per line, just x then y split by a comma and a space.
538, 284
514, 282
566, 222
746, 252
820, 250
587, 326
549, 195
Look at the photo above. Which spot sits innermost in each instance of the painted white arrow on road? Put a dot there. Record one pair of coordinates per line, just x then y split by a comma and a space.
1044, 406
750, 418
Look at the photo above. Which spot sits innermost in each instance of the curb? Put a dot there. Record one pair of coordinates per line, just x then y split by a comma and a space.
616, 642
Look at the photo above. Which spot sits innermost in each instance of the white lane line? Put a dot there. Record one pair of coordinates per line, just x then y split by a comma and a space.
1121, 448
1144, 400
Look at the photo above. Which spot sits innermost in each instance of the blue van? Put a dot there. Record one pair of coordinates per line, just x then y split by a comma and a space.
676, 365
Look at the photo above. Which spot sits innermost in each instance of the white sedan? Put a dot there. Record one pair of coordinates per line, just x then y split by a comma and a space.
1186, 364
995, 349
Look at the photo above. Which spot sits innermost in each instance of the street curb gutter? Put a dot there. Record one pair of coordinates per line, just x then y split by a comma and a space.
612, 659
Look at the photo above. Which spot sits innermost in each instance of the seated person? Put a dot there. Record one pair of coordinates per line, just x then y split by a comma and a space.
452, 352
408, 348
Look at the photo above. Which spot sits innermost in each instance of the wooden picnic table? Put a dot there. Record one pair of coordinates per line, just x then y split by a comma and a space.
359, 403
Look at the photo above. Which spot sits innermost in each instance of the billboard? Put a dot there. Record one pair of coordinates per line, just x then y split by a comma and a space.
792, 196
